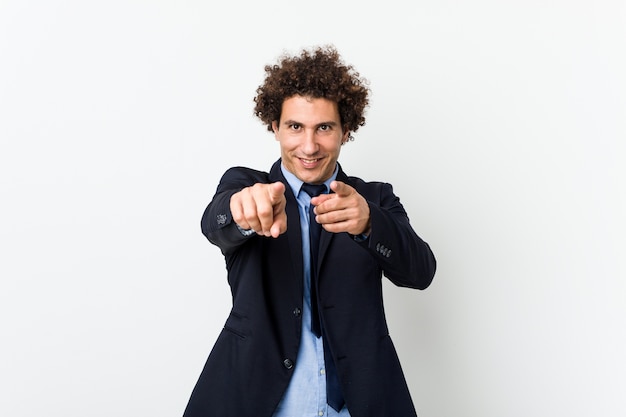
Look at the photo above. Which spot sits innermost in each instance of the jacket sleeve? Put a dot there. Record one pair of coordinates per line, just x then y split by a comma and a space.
406, 260
217, 221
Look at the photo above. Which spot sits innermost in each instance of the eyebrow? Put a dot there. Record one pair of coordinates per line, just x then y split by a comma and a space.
292, 122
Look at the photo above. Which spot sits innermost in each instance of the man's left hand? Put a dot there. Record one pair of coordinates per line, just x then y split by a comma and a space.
344, 211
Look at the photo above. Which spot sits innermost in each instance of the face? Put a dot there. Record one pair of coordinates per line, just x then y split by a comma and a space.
310, 136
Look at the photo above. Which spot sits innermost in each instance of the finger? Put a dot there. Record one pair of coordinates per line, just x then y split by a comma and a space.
344, 222
265, 215
276, 192
280, 224
238, 212
322, 198
341, 188
275, 224
269, 203
336, 227
256, 208
326, 215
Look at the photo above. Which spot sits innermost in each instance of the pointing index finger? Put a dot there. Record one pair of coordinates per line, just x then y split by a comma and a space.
341, 188
276, 191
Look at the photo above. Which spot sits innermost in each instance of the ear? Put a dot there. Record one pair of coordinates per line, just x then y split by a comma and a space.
345, 137
275, 129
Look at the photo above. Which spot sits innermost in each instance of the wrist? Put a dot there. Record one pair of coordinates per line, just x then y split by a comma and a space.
245, 232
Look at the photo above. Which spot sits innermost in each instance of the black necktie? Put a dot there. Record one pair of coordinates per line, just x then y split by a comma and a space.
315, 230
333, 390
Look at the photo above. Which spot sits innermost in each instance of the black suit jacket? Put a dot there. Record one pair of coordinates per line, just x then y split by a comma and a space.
252, 361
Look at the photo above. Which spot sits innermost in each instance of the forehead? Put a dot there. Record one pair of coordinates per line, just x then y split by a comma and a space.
307, 110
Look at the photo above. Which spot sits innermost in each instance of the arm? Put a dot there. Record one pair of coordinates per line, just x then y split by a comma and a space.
405, 258
244, 200
374, 210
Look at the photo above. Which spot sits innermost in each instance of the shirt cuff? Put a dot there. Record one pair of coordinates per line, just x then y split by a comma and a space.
245, 232
360, 238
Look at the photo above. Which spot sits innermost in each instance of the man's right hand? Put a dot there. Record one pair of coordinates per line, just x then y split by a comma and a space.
261, 208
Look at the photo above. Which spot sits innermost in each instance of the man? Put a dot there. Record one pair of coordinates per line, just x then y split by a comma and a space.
307, 334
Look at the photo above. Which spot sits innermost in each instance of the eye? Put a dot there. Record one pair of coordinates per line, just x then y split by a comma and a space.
325, 128
295, 126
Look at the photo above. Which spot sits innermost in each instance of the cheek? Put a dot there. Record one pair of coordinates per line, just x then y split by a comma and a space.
335, 148
287, 147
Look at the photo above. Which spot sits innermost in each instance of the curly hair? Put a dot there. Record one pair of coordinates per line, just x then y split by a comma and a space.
316, 73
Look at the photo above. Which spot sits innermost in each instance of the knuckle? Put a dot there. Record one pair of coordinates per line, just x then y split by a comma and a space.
264, 211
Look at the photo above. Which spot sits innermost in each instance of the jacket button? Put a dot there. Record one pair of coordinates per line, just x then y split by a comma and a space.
297, 312
288, 363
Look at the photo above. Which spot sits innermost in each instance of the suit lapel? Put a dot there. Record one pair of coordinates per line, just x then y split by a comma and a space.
294, 234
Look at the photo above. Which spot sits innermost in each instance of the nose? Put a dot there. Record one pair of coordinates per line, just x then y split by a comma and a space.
309, 142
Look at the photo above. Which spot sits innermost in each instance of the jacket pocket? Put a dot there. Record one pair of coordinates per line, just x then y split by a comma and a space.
236, 324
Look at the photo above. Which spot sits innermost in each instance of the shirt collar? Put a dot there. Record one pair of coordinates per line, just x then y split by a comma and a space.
295, 183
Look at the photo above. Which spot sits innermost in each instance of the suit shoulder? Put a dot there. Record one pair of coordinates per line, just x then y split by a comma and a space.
244, 176
356, 181
369, 187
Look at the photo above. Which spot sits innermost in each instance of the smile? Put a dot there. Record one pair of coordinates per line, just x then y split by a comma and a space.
310, 161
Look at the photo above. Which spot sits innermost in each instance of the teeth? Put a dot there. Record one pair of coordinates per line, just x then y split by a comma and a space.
310, 161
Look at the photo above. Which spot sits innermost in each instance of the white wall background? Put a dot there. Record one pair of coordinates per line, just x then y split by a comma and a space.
502, 126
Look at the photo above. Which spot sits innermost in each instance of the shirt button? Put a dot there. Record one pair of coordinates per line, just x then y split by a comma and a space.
320, 413
323, 372
297, 312
288, 363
